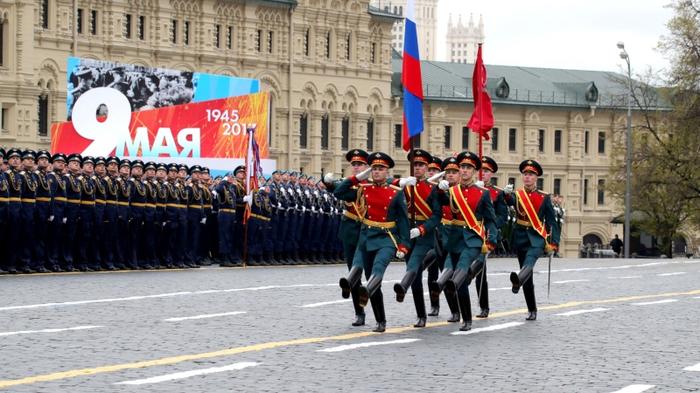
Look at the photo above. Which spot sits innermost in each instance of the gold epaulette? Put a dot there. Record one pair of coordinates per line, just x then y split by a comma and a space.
397, 188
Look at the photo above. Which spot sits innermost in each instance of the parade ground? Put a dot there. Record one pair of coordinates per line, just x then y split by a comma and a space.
608, 325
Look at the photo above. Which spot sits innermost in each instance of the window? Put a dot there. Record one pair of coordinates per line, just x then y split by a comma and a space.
465, 138
494, 139
540, 140
373, 52
80, 21
448, 137
345, 133
557, 186
43, 116
512, 138
258, 37
586, 138
93, 22
305, 43
45, 14
511, 180
324, 132
585, 191
601, 142
2, 43
370, 134
186, 33
557, 141
229, 37
494, 181
540, 183
328, 45
398, 135
347, 46
416, 141
127, 26
303, 131
4, 119
173, 31
141, 28
217, 36
269, 42
601, 192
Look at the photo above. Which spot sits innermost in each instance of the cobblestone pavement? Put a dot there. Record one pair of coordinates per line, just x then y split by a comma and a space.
608, 325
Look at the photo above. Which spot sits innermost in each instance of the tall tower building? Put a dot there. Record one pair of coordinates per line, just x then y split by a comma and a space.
463, 41
426, 21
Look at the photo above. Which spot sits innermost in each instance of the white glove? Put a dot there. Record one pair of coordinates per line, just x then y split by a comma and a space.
508, 189
279, 205
364, 175
50, 218
248, 199
204, 221
299, 191
444, 185
328, 178
325, 196
436, 176
303, 209
400, 255
225, 179
313, 209
307, 193
415, 232
165, 223
215, 194
407, 181
316, 194
65, 219
479, 183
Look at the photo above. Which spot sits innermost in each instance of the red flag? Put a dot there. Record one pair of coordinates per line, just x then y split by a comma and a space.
481, 121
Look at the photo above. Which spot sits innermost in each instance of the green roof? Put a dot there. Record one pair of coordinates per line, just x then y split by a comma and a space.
444, 81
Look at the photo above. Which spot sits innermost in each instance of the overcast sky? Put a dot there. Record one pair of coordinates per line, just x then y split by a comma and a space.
565, 33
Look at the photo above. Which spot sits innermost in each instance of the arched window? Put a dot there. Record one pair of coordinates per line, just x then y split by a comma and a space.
324, 132
43, 110
345, 144
370, 134
303, 131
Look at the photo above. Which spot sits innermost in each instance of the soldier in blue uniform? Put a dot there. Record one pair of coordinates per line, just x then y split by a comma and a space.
123, 248
4, 203
195, 216
171, 228
383, 235
183, 235
535, 231
260, 211
223, 194
43, 211
208, 232
72, 210
161, 211
239, 192
110, 225
87, 254
28, 199
148, 251
100, 207
14, 209
138, 199
57, 207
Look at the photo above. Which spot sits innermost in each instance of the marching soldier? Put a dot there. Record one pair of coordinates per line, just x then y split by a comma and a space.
535, 230
434, 269
383, 235
72, 210
209, 243
43, 211
425, 212
350, 224
475, 232
478, 269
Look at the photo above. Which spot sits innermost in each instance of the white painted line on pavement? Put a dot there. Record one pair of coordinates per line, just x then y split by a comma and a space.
189, 374
489, 328
4, 334
693, 368
569, 281
204, 316
650, 264
577, 312
369, 344
312, 305
624, 277
671, 274
500, 289
656, 302
634, 389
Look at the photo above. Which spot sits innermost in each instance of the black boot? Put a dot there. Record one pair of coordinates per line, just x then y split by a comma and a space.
402, 287
484, 313
454, 308
436, 287
474, 270
465, 308
378, 309
349, 282
419, 303
429, 258
359, 320
531, 316
434, 311
452, 285
517, 279
365, 293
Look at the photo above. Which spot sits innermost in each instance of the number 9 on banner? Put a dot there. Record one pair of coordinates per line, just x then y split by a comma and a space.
106, 134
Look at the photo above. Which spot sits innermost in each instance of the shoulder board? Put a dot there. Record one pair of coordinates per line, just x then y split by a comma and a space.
397, 188
543, 192
22, 173
94, 177
80, 177
37, 172
132, 179
482, 188
106, 178
363, 184
497, 188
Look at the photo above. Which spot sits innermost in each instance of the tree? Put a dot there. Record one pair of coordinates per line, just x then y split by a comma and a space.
666, 142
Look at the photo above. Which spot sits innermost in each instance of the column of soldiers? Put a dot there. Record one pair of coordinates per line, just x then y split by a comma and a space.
70, 213
445, 222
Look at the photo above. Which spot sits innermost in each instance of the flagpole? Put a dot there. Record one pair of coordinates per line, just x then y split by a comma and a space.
481, 136
415, 189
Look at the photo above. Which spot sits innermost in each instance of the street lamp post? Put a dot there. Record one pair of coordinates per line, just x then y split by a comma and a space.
628, 161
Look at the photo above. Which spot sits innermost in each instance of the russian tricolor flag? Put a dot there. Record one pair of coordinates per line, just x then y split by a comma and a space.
411, 81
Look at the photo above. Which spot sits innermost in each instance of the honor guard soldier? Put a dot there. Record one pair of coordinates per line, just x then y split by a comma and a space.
258, 220
160, 219
208, 232
100, 207
72, 211
148, 249
474, 233
195, 216
434, 269
110, 222
87, 247
425, 212
239, 192
535, 230
14, 209
4, 203
171, 229
383, 234
43, 211
138, 199
56, 211
351, 222
123, 211
183, 236
28, 199
227, 217
478, 269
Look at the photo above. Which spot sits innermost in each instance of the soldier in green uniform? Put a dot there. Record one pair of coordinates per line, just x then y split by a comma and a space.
535, 230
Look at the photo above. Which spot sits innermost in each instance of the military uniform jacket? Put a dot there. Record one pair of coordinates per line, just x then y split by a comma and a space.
29, 187
137, 198
353, 213
100, 191
194, 201
124, 197
423, 204
73, 189
43, 189
173, 204
4, 190
87, 184
14, 183
58, 194
238, 188
499, 205
542, 204
385, 223
224, 196
479, 201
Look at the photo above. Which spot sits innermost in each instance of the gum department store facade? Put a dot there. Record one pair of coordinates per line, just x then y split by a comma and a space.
344, 87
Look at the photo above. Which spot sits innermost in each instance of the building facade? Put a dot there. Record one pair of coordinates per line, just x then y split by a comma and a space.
463, 41
334, 85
